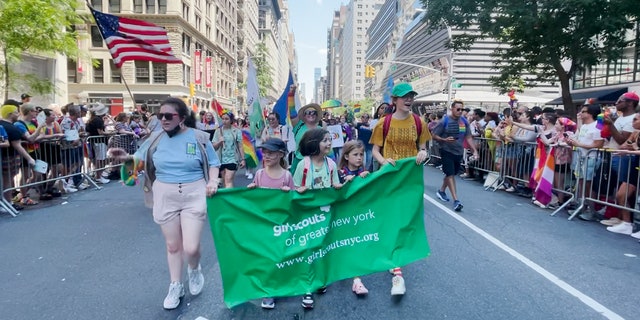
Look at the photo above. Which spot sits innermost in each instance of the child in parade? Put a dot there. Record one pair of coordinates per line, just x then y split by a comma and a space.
274, 175
315, 171
351, 165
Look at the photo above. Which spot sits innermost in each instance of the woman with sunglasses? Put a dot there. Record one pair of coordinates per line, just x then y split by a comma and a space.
181, 170
308, 118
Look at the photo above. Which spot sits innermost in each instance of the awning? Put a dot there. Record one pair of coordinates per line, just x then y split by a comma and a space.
603, 96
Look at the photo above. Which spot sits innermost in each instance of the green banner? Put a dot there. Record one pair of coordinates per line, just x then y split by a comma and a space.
272, 243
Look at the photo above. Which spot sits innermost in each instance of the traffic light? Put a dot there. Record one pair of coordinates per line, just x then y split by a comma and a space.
369, 71
192, 89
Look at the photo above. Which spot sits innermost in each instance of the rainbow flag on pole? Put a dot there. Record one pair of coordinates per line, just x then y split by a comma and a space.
251, 155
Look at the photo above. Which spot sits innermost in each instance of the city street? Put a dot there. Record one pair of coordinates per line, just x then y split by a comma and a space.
101, 256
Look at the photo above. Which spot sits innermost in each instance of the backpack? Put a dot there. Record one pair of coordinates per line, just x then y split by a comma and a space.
387, 124
445, 122
307, 165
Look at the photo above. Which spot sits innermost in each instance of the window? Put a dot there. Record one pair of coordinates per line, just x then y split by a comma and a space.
151, 6
207, 31
142, 71
98, 72
159, 72
116, 73
186, 75
72, 75
198, 23
137, 6
162, 6
114, 6
185, 11
96, 37
186, 44
97, 4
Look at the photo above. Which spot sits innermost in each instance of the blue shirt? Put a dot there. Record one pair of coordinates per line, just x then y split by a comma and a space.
178, 159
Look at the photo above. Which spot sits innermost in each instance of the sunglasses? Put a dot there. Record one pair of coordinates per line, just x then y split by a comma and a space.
311, 113
168, 116
458, 109
271, 119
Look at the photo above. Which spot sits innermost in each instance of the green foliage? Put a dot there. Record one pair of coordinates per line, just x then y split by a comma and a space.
42, 27
541, 35
263, 69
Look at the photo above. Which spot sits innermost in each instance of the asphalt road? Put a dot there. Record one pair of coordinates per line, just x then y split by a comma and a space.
101, 256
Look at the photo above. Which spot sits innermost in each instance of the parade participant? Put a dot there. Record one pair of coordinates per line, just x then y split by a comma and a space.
352, 165
316, 171
403, 135
276, 130
310, 114
227, 140
274, 175
181, 170
450, 134
208, 124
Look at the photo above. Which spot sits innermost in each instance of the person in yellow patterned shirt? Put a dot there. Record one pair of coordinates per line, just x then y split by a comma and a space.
402, 141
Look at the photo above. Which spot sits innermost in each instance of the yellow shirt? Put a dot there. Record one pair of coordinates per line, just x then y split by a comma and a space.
401, 139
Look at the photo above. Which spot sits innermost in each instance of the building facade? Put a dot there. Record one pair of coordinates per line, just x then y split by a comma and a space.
202, 33
353, 46
333, 52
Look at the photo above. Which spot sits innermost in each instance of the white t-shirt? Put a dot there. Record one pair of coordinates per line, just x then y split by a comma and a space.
622, 124
587, 134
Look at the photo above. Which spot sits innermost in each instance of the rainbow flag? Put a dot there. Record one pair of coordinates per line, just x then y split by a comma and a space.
251, 155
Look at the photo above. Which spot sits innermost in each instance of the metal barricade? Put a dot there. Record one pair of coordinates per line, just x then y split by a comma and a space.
609, 179
85, 160
485, 164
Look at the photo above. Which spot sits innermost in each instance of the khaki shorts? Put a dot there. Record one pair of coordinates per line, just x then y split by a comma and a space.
184, 200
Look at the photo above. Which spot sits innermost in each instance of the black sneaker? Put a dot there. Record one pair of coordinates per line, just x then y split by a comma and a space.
307, 301
322, 290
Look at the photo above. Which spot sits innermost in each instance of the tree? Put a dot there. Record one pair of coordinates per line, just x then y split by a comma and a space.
40, 27
541, 35
263, 69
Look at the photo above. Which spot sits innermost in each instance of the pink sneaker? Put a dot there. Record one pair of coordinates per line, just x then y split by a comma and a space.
359, 288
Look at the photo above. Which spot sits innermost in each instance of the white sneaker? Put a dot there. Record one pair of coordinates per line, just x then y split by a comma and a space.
196, 280
250, 176
83, 186
102, 180
611, 222
68, 188
636, 235
397, 286
176, 291
623, 228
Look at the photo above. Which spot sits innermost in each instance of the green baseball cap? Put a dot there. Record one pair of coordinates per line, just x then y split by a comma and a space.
402, 89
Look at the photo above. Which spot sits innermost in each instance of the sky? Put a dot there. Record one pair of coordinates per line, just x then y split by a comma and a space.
309, 21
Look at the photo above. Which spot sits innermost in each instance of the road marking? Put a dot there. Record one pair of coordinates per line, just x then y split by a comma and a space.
590, 302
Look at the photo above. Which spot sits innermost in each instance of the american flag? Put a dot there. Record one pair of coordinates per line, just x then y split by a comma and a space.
130, 39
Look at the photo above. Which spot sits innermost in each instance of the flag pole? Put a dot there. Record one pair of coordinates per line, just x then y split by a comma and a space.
124, 80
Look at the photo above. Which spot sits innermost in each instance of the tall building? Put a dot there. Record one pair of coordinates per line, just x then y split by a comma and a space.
401, 48
202, 34
247, 40
333, 52
317, 86
273, 32
353, 46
